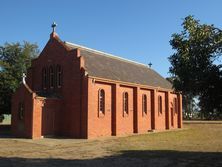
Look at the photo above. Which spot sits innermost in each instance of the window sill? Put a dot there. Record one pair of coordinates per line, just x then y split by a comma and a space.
125, 114
144, 114
101, 114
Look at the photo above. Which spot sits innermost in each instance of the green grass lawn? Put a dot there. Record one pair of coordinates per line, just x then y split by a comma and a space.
195, 145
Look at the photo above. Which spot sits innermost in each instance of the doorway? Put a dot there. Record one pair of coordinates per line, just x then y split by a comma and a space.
48, 122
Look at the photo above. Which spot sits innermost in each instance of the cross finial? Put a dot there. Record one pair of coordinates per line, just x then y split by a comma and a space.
23, 78
53, 26
150, 64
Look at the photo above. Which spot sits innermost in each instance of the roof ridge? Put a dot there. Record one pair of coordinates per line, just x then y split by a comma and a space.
105, 54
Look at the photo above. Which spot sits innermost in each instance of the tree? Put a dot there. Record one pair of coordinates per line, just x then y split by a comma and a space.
193, 67
15, 59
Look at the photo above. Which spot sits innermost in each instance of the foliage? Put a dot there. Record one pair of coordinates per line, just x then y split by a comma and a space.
15, 59
193, 68
1, 118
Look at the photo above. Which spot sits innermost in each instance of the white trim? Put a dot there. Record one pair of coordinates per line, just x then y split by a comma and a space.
104, 53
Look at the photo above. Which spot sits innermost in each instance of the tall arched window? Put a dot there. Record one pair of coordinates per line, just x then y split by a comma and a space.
102, 101
21, 110
44, 78
51, 77
160, 105
59, 76
144, 104
125, 103
175, 105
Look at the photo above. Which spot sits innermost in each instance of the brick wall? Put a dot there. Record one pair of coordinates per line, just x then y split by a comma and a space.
144, 119
116, 122
99, 124
160, 117
124, 122
55, 53
173, 115
22, 127
46, 117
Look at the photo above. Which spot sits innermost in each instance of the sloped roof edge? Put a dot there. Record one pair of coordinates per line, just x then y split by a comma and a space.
105, 65
74, 46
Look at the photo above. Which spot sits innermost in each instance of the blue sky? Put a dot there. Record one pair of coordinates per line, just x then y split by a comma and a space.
139, 30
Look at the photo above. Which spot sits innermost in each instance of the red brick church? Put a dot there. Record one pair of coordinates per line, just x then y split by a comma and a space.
78, 92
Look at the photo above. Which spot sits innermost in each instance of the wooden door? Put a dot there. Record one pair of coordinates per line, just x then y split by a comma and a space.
48, 120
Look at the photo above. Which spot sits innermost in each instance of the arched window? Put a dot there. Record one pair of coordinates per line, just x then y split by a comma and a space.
51, 77
102, 101
44, 78
144, 104
175, 105
125, 103
59, 76
160, 105
21, 110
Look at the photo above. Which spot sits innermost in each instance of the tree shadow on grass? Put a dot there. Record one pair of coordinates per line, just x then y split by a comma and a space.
160, 158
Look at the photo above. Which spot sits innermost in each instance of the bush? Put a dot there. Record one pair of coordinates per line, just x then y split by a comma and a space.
1, 118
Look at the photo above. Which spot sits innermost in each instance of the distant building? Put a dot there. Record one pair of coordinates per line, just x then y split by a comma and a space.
74, 91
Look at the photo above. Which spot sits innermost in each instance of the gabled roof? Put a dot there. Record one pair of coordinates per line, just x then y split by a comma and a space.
104, 65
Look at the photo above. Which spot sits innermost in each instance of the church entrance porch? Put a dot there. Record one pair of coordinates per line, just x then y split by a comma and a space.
46, 117
48, 122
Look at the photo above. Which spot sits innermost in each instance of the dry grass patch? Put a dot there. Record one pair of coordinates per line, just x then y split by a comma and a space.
196, 145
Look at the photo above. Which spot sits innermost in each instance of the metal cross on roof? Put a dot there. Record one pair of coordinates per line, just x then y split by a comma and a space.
150, 64
53, 26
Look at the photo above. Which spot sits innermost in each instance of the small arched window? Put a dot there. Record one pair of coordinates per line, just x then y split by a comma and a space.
59, 76
144, 104
102, 101
51, 77
21, 110
175, 105
44, 78
125, 103
160, 105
